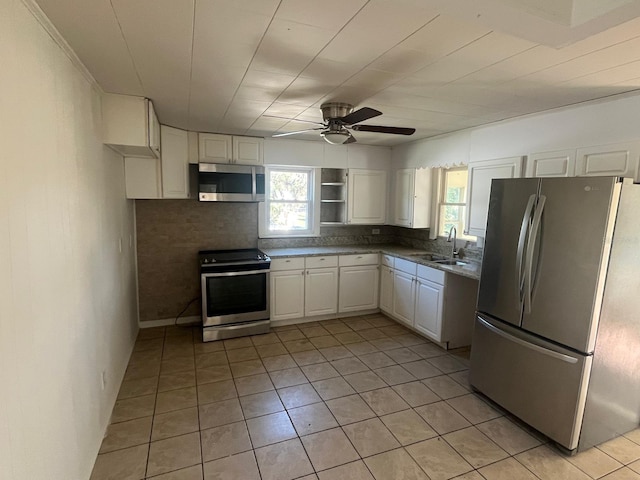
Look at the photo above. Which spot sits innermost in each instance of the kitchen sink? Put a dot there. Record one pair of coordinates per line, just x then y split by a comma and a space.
430, 257
450, 261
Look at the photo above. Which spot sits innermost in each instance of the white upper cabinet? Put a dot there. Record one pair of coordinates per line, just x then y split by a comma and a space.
143, 178
217, 148
480, 175
175, 163
551, 164
130, 125
367, 197
412, 197
619, 159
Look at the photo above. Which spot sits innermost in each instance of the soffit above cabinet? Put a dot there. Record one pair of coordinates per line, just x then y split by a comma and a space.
439, 66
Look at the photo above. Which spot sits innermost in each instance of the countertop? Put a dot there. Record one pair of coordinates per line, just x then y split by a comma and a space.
471, 270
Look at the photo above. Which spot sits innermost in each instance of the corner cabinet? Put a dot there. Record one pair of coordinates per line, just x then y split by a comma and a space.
366, 197
175, 163
130, 125
218, 148
479, 187
412, 197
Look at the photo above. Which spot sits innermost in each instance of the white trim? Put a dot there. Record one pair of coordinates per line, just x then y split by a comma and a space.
55, 35
165, 322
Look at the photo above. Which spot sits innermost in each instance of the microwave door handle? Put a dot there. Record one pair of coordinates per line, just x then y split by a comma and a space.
524, 229
254, 189
531, 247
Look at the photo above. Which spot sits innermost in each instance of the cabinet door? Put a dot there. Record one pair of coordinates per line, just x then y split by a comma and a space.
142, 178
248, 150
404, 197
287, 294
404, 295
175, 163
480, 175
428, 315
367, 197
214, 148
619, 160
386, 289
154, 129
321, 291
551, 164
358, 288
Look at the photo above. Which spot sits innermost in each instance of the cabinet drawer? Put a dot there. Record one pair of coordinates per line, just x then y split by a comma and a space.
405, 266
428, 273
387, 260
296, 263
319, 262
362, 259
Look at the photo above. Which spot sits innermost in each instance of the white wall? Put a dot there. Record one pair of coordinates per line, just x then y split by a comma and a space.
67, 295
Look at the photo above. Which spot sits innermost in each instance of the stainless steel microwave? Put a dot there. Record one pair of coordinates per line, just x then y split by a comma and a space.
230, 183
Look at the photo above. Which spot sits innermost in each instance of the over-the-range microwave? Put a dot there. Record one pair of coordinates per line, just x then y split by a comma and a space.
230, 183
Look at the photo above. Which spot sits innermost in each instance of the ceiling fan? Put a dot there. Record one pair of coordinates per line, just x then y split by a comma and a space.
340, 119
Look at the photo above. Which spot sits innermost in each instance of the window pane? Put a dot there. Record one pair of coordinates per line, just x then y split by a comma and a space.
289, 186
451, 216
288, 216
455, 186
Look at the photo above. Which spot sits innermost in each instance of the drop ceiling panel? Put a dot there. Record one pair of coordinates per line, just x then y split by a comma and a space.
333, 15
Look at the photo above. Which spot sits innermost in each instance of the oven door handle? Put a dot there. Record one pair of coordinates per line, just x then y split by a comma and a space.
234, 274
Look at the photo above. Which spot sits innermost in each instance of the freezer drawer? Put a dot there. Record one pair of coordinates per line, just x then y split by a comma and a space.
542, 384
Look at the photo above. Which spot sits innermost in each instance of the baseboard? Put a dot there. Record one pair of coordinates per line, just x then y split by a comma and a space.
165, 322
319, 318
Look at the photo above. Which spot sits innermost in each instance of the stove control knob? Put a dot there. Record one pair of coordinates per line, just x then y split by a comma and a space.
206, 260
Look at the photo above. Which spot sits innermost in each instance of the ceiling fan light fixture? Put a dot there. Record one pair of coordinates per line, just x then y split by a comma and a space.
336, 137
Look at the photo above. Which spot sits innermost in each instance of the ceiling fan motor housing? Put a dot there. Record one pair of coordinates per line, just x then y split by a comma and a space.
333, 110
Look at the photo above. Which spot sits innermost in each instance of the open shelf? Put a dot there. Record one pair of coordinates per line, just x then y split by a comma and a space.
333, 196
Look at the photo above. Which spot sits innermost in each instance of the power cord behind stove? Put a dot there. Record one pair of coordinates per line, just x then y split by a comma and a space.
184, 310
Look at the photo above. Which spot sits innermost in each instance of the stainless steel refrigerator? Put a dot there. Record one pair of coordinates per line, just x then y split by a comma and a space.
557, 332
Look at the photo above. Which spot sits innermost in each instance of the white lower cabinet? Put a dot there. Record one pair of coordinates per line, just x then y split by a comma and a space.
404, 295
287, 294
386, 289
428, 313
358, 288
321, 291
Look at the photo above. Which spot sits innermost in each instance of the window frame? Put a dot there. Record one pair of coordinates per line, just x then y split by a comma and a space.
443, 203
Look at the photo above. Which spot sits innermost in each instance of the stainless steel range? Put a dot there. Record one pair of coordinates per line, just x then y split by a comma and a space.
235, 293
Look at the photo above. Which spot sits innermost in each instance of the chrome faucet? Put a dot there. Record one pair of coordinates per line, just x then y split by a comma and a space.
453, 233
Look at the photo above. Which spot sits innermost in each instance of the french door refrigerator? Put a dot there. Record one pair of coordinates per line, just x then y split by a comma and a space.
557, 332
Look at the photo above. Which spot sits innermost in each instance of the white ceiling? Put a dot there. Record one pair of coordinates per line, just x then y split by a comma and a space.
436, 65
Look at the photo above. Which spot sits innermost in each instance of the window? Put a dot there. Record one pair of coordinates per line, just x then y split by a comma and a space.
289, 206
453, 202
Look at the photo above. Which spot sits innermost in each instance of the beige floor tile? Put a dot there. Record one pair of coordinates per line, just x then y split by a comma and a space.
253, 384
462, 378
325, 341
396, 464
361, 348
178, 364
241, 466
283, 461
132, 408
333, 388
290, 335
142, 370
279, 362
242, 354
176, 399
365, 381
422, 369
349, 337
372, 334
622, 474
201, 347
269, 429
351, 471
301, 345
442, 417
271, 350
447, 364
350, 409
622, 449
476, 448
175, 381
329, 449
634, 435
416, 394
288, 378
507, 469
595, 463
358, 324
546, 464
319, 371
384, 401
377, 360
403, 355
265, 339
635, 466
337, 328
474, 475
138, 388
438, 459
346, 366
508, 435
308, 358
409, 340
473, 408
173, 454
335, 353
394, 330
370, 437
146, 345
234, 343
220, 413
247, 368
298, 396
261, 404
223, 441
445, 387
408, 427
146, 356
428, 350
153, 332
209, 360
127, 434
213, 374
175, 423
312, 418
189, 473
216, 391
126, 464
378, 320
394, 375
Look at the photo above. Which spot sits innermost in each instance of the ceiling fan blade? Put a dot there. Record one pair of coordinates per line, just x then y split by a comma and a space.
360, 115
382, 129
293, 119
297, 131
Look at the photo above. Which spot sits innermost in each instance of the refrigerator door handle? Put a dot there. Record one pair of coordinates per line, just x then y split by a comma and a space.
526, 222
524, 343
531, 247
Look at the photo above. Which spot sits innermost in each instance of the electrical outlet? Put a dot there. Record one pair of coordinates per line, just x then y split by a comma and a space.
103, 379
375, 231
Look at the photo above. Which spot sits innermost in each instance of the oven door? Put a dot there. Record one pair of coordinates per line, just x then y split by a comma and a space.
233, 297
